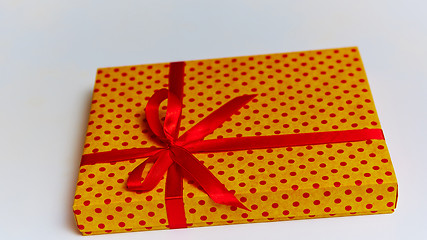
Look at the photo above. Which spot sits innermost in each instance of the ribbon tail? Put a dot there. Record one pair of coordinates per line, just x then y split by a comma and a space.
173, 198
213, 187
214, 120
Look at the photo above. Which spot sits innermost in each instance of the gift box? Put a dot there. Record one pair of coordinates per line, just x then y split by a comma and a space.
233, 140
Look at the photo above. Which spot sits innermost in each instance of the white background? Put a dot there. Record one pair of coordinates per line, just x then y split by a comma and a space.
49, 53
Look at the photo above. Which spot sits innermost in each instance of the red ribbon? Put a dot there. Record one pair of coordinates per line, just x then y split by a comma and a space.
176, 158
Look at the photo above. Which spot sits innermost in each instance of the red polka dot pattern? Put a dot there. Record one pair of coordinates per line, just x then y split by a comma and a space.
298, 92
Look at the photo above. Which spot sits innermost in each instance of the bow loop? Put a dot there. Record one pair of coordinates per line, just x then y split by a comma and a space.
152, 113
168, 132
162, 162
173, 117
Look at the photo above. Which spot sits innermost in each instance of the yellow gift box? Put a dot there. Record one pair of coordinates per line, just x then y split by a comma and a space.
298, 93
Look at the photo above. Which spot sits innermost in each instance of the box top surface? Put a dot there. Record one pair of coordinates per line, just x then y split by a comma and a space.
300, 92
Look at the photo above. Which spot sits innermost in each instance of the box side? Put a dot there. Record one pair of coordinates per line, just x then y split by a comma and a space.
293, 205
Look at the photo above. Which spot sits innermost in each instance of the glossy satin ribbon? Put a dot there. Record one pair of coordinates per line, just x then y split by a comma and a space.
176, 159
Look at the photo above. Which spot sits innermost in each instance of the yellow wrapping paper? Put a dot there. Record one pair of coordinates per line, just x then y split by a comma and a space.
299, 92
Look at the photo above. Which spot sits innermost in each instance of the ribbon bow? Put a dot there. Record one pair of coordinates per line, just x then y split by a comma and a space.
176, 158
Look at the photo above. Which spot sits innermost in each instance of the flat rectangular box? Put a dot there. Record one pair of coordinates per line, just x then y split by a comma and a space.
297, 93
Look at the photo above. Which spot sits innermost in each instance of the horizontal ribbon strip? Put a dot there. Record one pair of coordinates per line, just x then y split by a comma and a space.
242, 143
